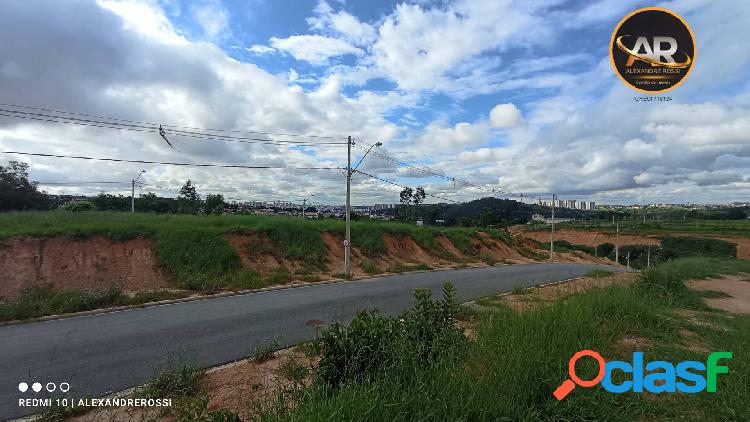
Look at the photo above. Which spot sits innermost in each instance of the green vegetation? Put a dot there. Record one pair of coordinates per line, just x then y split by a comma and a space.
375, 346
733, 227
176, 379
370, 268
518, 359
41, 301
194, 248
565, 246
599, 274
181, 381
674, 247
265, 350
400, 267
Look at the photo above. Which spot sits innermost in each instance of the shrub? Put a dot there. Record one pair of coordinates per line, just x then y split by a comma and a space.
370, 268
266, 349
77, 206
373, 345
176, 379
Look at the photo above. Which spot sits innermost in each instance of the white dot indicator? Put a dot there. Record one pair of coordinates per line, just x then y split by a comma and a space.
36, 387
23, 387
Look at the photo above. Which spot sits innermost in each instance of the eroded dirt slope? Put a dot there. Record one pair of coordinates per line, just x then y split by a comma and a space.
93, 263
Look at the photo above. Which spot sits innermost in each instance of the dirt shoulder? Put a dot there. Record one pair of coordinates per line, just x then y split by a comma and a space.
735, 292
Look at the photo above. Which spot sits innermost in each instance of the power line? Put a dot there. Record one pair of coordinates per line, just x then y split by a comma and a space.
402, 186
155, 129
167, 163
166, 125
78, 183
434, 174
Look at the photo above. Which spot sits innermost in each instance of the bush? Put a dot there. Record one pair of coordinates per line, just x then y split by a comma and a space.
605, 249
374, 345
684, 246
77, 206
370, 268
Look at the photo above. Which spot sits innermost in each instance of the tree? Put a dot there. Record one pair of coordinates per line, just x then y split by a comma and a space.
109, 202
16, 192
405, 199
418, 196
188, 201
214, 204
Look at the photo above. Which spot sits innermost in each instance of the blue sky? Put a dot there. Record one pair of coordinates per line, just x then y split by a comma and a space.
515, 96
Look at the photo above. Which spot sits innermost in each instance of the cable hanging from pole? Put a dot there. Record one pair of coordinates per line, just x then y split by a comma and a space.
167, 163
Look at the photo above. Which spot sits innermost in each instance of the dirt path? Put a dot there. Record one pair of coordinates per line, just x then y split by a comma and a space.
737, 287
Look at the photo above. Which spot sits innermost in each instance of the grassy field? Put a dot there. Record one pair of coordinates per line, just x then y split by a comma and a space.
509, 373
713, 227
195, 251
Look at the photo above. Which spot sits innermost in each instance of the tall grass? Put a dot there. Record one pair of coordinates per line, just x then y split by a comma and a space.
509, 373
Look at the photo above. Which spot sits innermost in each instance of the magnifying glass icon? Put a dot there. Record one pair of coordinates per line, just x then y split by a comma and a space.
569, 384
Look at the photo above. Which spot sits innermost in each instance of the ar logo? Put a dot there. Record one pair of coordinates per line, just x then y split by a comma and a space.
652, 50
656, 55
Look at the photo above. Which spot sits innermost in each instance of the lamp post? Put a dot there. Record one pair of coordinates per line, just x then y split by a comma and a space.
132, 191
349, 172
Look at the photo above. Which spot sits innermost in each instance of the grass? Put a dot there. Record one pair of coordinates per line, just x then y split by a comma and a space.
518, 359
400, 267
370, 267
691, 226
599, 274
195, 251
41, 301
265, 350
176, 379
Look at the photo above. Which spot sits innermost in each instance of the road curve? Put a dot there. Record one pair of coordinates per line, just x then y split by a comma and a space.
99, 354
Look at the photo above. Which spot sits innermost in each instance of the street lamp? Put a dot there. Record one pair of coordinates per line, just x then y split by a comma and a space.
376, 144
132, 191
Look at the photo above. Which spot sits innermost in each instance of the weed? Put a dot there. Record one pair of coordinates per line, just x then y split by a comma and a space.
245, 279
521, 290
266, 350
370, 268
278, 275
175, 380
400, 267
599, 274
294, 371
488, 259
713, 294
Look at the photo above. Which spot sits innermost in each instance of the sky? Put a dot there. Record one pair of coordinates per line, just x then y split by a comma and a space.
518, 97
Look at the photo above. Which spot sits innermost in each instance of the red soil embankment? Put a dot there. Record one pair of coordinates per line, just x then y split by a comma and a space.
591, 238
94, 263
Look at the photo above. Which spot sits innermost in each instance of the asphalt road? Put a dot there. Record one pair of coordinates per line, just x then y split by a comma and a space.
104, 353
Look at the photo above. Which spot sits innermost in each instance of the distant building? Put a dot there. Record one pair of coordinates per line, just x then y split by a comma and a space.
592, 205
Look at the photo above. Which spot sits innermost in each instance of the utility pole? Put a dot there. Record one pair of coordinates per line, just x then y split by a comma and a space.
617, 244
132, 196
132, 191
648, 257
628, 259
347, 240
552, 231
304, 201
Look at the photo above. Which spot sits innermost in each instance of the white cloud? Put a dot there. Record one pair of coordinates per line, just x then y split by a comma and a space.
505, 115
343, 24
260, 49
315, 49
212, 17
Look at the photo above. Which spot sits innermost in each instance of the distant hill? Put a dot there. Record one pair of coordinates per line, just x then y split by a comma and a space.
495, 210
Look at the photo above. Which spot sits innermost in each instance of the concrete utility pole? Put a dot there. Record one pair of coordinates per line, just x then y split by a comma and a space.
552, 231
648, 257
617, 244
132, 191
347, 240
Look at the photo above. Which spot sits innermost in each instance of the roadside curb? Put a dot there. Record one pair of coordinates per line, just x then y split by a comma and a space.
240, 293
